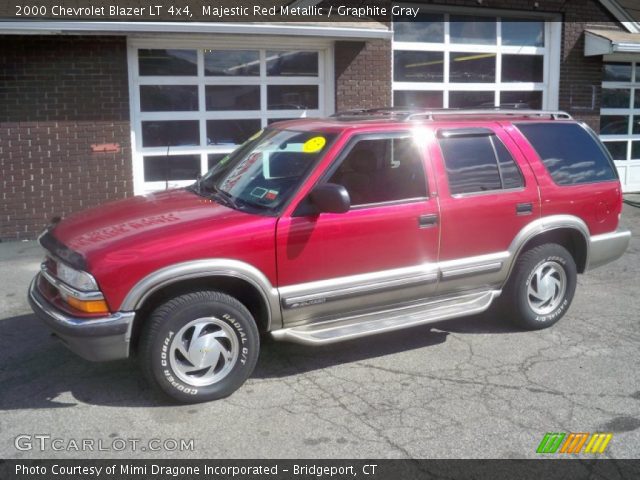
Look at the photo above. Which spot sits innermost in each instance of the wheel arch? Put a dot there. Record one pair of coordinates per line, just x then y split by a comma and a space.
238, 279
566, 230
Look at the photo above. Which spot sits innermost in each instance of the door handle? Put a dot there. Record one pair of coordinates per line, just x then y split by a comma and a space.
524, 208
427, 221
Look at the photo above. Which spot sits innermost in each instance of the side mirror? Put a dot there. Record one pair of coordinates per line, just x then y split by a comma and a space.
330, 198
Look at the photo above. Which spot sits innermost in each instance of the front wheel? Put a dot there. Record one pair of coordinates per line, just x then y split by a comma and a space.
541, 287
199, 346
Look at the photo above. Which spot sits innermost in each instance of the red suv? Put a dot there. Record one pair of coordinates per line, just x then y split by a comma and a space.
322, 230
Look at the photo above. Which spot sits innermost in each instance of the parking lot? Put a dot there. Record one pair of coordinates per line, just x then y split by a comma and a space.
473, 387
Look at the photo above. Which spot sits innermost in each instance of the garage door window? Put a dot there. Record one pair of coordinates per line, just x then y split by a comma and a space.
471, 61
194, 105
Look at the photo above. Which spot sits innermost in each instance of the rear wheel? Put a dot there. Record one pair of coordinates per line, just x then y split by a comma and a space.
541, 287
199, 346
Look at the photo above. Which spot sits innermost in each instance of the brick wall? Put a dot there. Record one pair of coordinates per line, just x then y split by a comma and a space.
363, 74
59, 95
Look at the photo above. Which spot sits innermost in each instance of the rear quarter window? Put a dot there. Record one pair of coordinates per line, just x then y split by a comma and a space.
569, 152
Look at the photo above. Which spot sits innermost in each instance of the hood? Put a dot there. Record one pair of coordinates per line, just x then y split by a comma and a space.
133, 222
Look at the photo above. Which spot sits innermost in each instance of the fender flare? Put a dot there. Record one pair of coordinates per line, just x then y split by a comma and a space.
214, 267
544, 225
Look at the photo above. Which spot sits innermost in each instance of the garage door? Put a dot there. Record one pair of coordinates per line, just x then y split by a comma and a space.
620, 119
194, 102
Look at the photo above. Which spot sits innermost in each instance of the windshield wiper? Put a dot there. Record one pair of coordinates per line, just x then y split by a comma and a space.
223, 197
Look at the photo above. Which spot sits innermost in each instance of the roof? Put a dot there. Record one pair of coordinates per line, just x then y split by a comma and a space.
385, 116
605, 42
352, 30
626, 11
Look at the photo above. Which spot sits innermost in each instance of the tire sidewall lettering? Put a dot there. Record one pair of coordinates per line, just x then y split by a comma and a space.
174, 382
565, 302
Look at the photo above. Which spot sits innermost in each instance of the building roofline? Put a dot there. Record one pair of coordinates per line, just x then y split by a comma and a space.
351, 30
621, 15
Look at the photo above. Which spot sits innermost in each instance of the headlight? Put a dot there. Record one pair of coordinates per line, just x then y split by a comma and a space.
75, 278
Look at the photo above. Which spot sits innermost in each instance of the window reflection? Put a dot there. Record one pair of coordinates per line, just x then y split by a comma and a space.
167, 62
614, 125
172, 133
472, 29
472, 67
471, 99
471, 164
616, 97
230, 132
523, 33
616, 72
160, 168
521, 99
168, 98
292, 97
423, 99
569, 153
292, 64
220, 63
424, 28
522, 68
232, 97
618, 150
411, 66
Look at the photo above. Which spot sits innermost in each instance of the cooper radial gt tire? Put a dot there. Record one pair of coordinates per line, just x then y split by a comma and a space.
541, 287
199, 346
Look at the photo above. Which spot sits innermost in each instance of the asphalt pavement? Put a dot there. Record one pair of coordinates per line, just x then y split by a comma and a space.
468, 388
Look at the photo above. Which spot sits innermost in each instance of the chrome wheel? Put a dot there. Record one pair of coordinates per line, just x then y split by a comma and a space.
204, 351
547, 287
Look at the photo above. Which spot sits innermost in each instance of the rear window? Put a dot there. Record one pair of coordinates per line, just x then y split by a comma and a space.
570, 154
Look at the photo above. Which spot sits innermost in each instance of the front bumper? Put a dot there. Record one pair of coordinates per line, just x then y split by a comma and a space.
95, 339
607, 247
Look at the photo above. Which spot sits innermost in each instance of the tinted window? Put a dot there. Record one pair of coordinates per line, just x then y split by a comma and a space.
569, 152
509, 171
479, 164
382, 170
471, 164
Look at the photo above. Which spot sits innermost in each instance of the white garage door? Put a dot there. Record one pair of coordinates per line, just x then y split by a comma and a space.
193, 102
620, 119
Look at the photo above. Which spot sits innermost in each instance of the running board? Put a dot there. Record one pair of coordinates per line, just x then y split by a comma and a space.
356, 326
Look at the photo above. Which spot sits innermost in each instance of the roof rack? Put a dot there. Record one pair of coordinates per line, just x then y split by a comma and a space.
388, 111
413, 114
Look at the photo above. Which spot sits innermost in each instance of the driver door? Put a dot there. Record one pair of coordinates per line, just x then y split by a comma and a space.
382, 252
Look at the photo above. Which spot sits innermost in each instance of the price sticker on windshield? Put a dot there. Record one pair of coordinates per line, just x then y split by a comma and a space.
255, 135
314, 145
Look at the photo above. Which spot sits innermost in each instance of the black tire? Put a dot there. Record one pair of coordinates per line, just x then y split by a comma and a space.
521, 304
224, 329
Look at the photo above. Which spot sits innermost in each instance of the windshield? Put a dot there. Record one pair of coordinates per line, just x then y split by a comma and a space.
265, 171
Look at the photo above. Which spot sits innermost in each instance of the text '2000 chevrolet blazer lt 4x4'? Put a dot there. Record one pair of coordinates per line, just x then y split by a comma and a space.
322, 230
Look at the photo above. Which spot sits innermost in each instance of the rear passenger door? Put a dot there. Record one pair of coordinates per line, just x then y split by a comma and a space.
488, 193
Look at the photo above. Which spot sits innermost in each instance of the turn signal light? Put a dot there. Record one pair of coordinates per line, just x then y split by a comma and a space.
88, 306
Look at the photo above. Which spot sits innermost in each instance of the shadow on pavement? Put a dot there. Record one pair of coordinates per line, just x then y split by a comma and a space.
37, 371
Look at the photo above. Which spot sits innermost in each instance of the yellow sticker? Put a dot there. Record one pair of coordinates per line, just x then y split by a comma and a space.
255, 135
314, 144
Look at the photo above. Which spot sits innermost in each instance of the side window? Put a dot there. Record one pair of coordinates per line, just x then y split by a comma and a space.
570, 154
509, 171
479, 164
382, 170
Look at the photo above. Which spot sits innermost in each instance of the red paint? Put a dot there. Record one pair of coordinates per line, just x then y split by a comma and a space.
126, 240
105, 148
